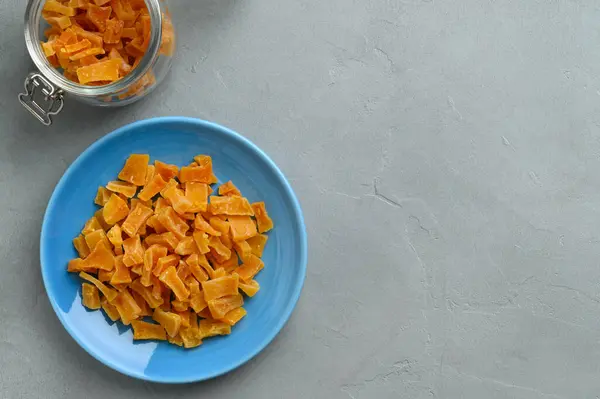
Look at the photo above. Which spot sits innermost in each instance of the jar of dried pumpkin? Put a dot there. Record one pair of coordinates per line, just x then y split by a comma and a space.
101, 52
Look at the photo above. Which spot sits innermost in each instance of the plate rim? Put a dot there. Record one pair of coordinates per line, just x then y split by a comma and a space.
297, 288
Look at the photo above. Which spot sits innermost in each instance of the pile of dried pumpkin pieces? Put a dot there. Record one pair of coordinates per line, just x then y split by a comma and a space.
164, 246
96, 42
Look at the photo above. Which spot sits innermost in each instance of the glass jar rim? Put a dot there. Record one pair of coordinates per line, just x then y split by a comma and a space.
33, 14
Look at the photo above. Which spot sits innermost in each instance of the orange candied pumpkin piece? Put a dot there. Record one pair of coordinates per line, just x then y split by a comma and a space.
98, 214
243, 249
155, 224
76, 47
170, 278
183, 270
221, 306
211, 328
102, 196
81, 246
223, 227
115, 210
146, 293
88, 73
98, 16
134, 252
78, 265
122, 274
219, 287
110, 310
176, 340
63, 21
250, 288
228, 265
201, 224
109, 293
151, 257
153, 187
102, 71
146, 310
127, 189
123, 10
186, 246
229, 189
220, 249
127, 307
55, 6
197, 194
100, 258
167, 239
92, 239
150, 173
105, 275
144, 330
134, 170
136, 219
165, 262
195, 174
166, 171
198, 303
173, 222
257, 243
190, 338
201, 240
114, 30
170, 183
91, 225
230, 206
170, 321
242, 227
180, 306
180, 203
262, 217
193, 263
233, 316
94, 37
89, 296
115, 235
252, 265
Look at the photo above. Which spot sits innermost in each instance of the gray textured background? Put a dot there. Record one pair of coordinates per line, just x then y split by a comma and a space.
446, 154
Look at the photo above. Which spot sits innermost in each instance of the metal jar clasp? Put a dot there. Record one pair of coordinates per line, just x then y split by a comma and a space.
51, 103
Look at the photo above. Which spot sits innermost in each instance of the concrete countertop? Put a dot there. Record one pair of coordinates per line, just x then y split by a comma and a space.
446, 155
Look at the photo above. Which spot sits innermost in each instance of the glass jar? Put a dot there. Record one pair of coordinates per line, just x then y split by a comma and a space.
45, 89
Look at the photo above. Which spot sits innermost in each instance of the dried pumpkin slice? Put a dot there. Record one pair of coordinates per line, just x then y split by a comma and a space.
180, 203
168, 320
146, 293
91, 225
115, 235
230, 206
190, 338
173, 222
100, 258
143, 330
164, 262
201, 240
186, 246
102, 196
221, 306
262, 217
109, 293
127, 189
220, 249
136, 218
113, 30
201, 224
115, 210
98, 16
135, 168
229, 189
249, 288
242, 227
153, 187
89, 296
167, 239
81, 246
243, 249
223, 227
198, 303
134, 252
55, 6
110, 310
166, 171
257, 244
197, 194
233, 316
151, 257
252, 265
170, 278
194, 265
210, 328
219, 287
127, 307
122, 274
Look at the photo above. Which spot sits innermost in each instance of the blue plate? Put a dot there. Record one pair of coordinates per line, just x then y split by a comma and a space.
175, 140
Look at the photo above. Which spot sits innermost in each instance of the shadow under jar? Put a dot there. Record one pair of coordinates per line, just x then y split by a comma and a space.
46, 89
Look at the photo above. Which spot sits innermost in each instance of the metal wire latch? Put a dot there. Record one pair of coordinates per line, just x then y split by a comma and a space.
36, 84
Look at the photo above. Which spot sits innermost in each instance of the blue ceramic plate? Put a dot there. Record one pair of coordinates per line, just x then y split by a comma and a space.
175, 140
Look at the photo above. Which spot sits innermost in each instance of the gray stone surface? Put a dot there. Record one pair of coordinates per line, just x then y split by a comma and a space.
446, 154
